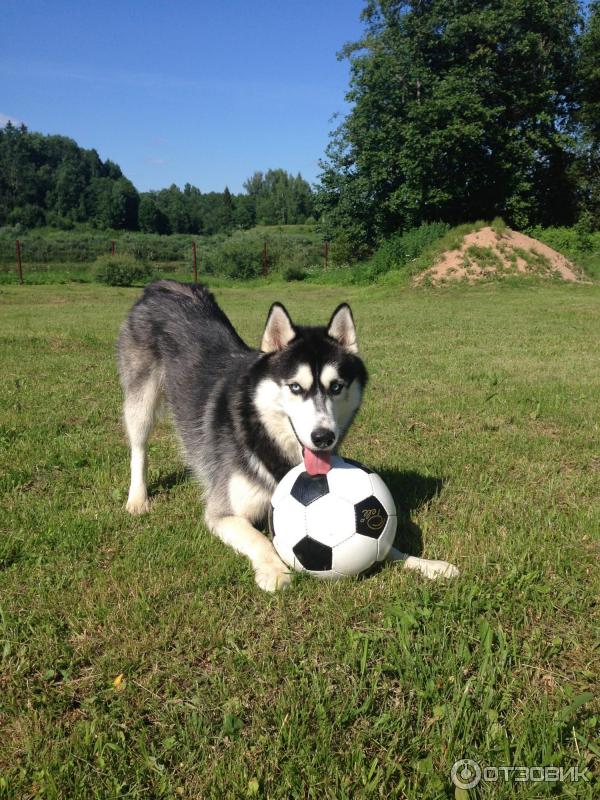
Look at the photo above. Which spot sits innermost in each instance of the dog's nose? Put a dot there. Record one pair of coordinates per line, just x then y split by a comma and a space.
322, 437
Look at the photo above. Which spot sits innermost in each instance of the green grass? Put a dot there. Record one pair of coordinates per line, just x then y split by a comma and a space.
482, 415
485, 258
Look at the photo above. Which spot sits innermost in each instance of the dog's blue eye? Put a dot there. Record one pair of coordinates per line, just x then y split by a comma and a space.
336, 387
295, 388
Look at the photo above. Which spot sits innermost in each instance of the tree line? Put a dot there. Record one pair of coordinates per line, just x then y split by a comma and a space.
50, 180
458, 111
462, 111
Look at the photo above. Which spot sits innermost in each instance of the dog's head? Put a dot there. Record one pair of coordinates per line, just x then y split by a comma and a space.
314, 379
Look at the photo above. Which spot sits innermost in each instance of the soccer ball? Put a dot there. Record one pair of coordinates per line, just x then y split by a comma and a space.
332, 525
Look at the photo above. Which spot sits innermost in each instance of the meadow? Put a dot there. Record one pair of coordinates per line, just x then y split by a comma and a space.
137, 657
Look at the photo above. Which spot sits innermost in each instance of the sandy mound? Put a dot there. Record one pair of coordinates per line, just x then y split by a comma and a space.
485, 253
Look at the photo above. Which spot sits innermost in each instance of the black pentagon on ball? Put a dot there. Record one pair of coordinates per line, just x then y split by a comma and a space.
313, 555
371, 517
308, 488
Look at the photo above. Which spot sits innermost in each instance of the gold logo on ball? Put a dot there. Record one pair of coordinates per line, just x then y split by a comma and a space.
373, 519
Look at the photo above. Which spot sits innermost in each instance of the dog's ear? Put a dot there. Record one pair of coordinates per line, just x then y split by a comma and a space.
279, 330
341, 328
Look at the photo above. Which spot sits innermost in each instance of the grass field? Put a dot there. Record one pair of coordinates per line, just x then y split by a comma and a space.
138, 658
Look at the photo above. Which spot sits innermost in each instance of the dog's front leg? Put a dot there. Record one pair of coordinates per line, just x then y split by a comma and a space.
431, 569
269, 570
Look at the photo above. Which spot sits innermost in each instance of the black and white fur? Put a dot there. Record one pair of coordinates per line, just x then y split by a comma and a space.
243, 415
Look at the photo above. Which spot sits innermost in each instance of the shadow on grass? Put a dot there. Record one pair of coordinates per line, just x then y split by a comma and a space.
410, 491
167, 482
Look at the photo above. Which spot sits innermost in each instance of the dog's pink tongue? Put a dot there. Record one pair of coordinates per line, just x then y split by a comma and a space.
317, 463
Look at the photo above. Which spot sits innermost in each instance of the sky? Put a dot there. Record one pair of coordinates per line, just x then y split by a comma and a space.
181, 91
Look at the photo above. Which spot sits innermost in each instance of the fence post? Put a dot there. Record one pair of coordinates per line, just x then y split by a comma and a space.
112, 247
19, 264
325, 254
195, 262
265, 270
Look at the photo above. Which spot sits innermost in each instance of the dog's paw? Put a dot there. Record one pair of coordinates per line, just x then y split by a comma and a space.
438, 569
138, 505
430, 568
272, 575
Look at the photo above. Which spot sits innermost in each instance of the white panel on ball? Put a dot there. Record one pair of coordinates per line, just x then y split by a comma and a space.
288, 519
284, 487
386, 540
349, 482
382, 493
329, 575
355, 555
284, 550
330, 519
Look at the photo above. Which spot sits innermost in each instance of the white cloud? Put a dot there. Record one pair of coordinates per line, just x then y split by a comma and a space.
5, 119
158, 162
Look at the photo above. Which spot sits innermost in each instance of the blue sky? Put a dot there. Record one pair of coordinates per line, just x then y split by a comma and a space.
179, 91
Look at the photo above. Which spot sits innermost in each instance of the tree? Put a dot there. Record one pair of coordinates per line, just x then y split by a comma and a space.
227, 210
244, 212
587, 168
217, 213
119, 205
589, 72
68, 189
279, 198
150, 218
459, 111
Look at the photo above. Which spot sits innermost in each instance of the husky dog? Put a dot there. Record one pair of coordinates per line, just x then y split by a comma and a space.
245, 417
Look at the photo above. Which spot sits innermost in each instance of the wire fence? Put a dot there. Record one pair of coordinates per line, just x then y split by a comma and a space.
238, 258
87, 248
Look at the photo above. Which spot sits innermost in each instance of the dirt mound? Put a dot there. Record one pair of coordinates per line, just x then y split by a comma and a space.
486, 253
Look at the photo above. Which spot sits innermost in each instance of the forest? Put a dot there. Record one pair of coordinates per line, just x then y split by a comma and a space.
51, 181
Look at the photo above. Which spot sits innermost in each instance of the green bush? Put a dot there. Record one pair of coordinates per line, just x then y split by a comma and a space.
238, 257
343, 251
578, 243
569, 241
121, 270
402, 247
584, 228
295, 274
29, 216
241, 255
